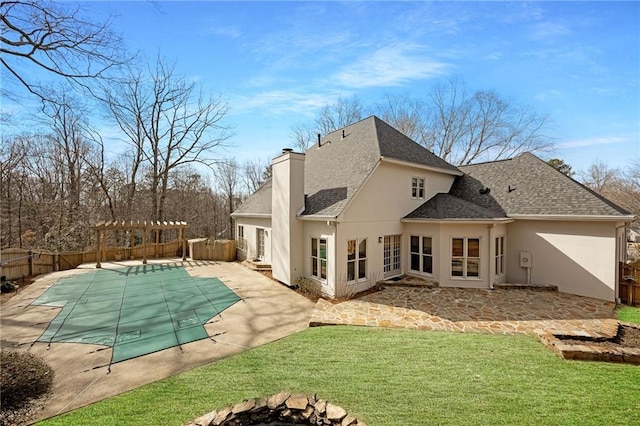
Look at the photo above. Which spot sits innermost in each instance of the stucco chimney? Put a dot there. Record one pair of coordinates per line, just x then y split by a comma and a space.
287, 199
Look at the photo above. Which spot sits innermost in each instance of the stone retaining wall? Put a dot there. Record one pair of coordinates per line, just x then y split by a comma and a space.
283, 407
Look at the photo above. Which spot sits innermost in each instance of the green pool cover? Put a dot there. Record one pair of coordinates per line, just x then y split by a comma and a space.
136, 310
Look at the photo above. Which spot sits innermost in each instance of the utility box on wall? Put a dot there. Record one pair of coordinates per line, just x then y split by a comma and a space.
525, 259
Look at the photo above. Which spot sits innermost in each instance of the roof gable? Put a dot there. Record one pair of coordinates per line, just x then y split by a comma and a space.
337, 166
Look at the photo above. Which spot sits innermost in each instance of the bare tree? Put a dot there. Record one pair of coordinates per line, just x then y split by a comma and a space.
458, 126
168, 123
256, 171
406, 114
465, 128
56, 38
600, 177
227, 175
329, 117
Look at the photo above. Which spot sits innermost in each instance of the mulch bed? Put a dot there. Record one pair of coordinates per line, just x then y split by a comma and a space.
628, 337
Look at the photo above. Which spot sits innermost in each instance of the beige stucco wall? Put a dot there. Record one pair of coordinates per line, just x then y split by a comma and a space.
286, 201
320, 229
441, 235
251, 224
386, 196
578, 257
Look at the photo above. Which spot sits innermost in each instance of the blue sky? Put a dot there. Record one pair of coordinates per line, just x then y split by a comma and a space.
277, 62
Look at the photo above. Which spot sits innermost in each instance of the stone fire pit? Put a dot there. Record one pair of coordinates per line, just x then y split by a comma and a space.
277, 410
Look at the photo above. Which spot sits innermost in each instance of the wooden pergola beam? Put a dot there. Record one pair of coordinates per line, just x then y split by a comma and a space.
102, 228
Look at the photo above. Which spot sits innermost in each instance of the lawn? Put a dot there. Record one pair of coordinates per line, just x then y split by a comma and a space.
629, 314
393, 377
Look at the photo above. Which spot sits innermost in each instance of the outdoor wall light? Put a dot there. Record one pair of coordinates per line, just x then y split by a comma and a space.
379, 239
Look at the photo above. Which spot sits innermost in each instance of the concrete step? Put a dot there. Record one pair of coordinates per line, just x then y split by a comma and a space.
521, 286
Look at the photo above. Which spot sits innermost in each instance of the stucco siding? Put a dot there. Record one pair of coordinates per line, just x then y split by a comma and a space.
578, 257
386, 196
250, 226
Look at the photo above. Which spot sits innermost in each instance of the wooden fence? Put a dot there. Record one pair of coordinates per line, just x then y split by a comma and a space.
206, 249
18, 263
629, 290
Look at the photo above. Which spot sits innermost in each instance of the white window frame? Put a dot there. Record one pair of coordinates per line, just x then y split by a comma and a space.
499, 257
421, 255
317, 260
359, 262
465, 258
261, 243
417, 187
241, 241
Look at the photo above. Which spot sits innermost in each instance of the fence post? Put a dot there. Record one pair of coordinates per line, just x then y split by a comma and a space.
30, 262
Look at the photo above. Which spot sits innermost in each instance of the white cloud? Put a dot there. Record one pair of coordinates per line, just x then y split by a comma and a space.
549, 30
391, 65
281, 101
595, 141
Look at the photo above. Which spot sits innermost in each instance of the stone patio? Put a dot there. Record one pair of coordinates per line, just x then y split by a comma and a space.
498, 311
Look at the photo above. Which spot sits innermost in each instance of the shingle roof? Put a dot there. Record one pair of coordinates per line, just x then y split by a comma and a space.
450, 207
258, 203
337, 166
526, 185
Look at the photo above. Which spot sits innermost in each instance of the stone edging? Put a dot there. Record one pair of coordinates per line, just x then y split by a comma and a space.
282, 407
587, 352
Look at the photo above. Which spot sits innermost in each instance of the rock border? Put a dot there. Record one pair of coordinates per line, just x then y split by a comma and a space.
587, 352
282, 407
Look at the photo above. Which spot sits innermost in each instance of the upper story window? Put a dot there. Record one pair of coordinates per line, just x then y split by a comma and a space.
319, 258
417, 187
357, 259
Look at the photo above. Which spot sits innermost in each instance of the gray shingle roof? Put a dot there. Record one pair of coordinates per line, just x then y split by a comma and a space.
526, 185
259, 202
450, 207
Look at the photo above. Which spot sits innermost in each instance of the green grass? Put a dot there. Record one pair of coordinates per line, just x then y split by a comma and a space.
394, 377
629, 314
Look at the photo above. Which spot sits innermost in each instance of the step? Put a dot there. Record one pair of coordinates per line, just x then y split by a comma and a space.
522, 286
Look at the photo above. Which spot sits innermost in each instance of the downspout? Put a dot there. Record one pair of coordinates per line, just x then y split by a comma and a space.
335, 256
618, 250
492, 272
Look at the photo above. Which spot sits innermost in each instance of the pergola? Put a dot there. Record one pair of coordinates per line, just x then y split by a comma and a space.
102, 228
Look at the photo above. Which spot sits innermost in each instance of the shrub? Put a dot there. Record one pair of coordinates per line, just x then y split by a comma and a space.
23, 376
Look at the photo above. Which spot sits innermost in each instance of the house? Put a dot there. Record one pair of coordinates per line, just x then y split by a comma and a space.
366, 203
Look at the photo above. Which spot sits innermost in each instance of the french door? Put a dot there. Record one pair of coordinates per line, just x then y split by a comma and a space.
391, 255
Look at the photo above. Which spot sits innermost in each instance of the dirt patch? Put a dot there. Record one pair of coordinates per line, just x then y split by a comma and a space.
24, 414
627, 337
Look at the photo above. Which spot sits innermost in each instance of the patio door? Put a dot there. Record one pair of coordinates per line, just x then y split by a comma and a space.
391, 255
260, 244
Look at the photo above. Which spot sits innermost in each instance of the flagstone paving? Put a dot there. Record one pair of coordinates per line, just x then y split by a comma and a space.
474, 310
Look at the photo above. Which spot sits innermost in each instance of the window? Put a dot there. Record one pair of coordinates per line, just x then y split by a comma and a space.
421, 254
319, 258
500, 255
357, 259
241, 241
465, 257
417, 187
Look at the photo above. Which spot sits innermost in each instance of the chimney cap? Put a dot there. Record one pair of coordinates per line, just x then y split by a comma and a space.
287, 150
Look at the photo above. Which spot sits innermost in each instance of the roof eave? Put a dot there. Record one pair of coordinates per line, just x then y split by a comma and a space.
421, 166
484, 221
258, 215
586, 218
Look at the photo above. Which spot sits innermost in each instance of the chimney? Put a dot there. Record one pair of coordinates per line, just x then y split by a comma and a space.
287, 199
